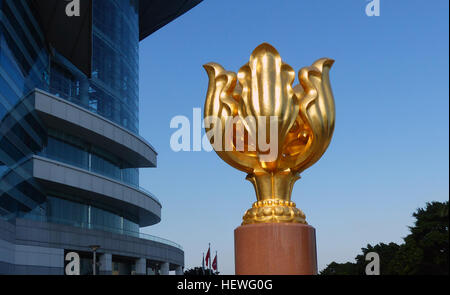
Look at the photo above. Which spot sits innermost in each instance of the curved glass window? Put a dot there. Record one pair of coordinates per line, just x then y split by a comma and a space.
100, 164
88, 216
101, 219
131, 176
64, 151
67, 212
74, 151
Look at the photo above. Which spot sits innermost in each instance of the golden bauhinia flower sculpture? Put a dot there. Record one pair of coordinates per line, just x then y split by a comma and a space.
259, 123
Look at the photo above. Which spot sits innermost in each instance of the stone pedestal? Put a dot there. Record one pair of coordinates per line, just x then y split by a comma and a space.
275, 249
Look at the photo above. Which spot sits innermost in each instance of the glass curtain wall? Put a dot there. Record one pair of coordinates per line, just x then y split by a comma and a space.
74, 151
64, 211
112, 89
24, 65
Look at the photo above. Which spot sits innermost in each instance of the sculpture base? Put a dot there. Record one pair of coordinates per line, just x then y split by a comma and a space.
275, 249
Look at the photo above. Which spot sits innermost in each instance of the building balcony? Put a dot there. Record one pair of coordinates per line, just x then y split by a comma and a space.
57, 176
61, 114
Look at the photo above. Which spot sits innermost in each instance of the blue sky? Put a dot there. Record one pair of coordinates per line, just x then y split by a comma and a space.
389, 153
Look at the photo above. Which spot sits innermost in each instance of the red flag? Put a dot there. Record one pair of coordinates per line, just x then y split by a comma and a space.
214, 263
207, 258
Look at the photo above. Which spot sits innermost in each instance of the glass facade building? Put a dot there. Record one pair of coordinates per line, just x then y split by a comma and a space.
70, 151
112, 90
24, 65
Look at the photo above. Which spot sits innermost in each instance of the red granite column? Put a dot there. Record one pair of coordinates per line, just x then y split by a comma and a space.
275, 249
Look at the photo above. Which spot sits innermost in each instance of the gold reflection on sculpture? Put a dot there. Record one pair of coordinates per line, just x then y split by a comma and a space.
304, 117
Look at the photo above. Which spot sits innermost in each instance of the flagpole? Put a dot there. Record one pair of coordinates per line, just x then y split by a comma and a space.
217, 263
203, 263
209, 250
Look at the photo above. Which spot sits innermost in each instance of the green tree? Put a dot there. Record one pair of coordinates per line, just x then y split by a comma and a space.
424, 251
199, 271
340, 269
386, 252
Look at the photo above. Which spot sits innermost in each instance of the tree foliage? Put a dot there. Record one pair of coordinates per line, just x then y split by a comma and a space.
199, 271
424, 251
334, 268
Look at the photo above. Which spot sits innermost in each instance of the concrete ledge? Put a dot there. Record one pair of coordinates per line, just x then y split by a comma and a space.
73, 180
61, 114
